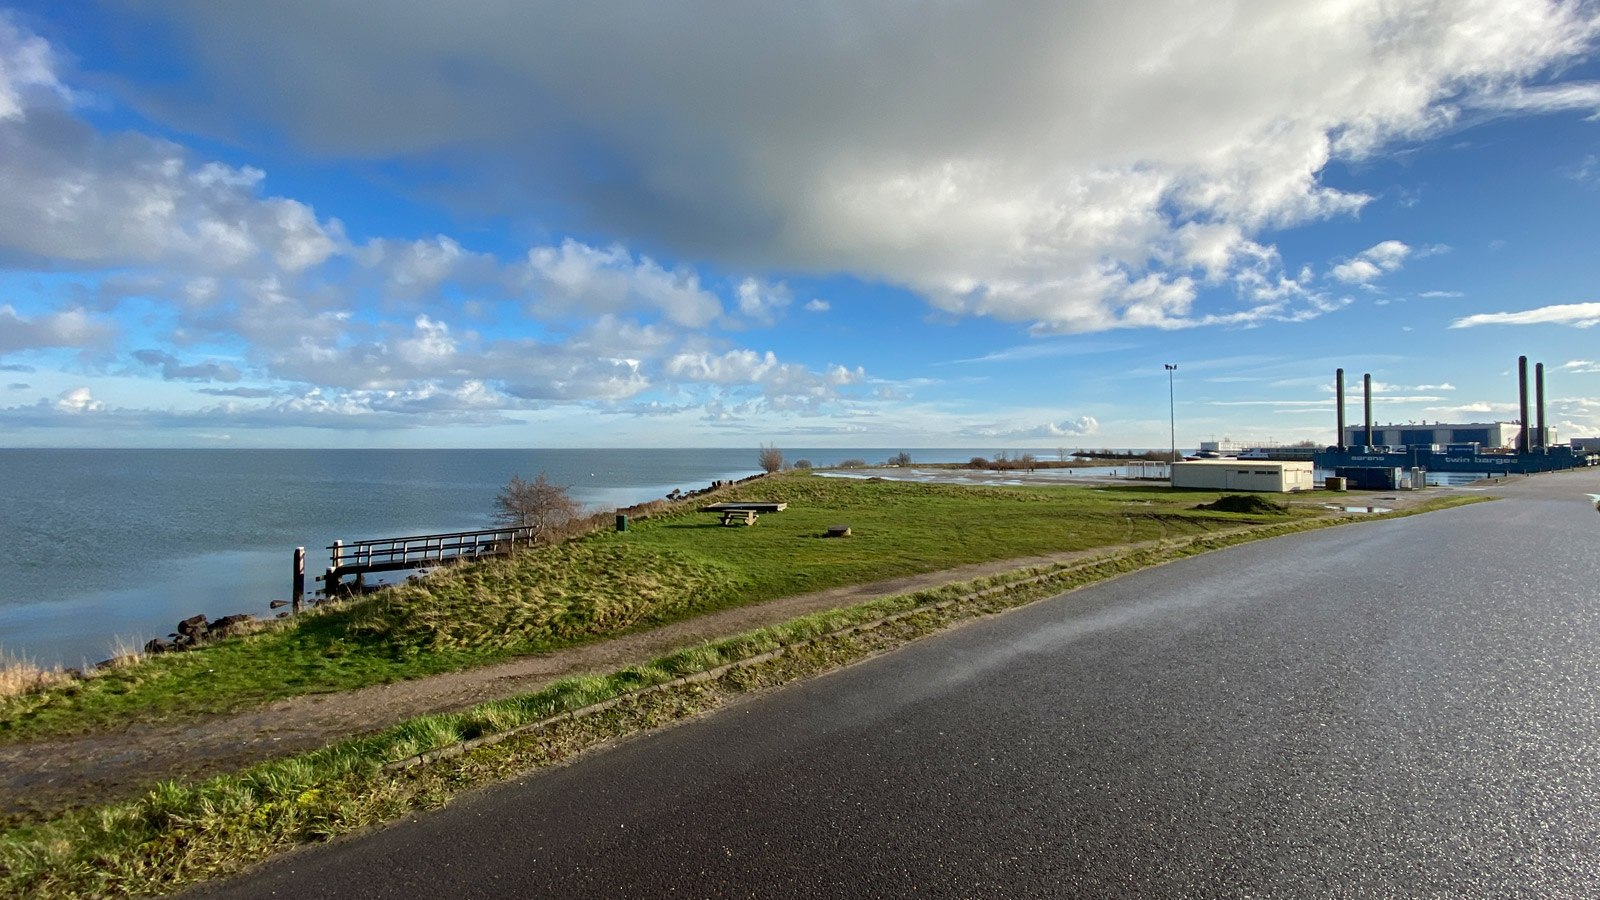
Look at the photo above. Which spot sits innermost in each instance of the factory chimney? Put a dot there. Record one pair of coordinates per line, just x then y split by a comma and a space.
1522, 393
1538, 393
1366, 389
1338, 381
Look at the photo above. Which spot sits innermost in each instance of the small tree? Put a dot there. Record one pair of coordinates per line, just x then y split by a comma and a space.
900, 459
538, 505
802, 464
771, 458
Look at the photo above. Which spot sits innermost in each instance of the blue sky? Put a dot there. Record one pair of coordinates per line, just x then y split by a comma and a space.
315, 223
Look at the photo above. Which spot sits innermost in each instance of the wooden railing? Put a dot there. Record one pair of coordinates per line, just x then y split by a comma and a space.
415, 551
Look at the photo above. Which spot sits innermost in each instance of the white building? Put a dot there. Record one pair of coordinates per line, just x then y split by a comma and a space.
1244, 475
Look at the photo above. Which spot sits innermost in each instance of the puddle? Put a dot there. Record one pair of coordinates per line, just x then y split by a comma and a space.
1358, 509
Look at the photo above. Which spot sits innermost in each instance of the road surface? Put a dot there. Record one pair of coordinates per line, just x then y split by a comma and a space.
1406, 707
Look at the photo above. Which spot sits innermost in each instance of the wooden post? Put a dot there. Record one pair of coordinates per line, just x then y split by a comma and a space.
329, 583
299, 577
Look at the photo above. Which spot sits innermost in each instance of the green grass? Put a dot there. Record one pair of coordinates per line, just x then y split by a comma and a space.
178, 834
663, 570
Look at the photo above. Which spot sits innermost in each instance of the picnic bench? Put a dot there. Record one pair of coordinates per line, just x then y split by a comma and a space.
738, 517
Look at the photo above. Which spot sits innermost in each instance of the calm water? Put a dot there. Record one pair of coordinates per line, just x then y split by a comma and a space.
101, 545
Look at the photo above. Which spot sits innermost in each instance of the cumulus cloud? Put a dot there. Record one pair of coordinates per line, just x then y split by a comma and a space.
68, 328
577, 279
784, 386
1578, 315
1371, 262
79, 199
817, 306
1063, 167
76, 401
27, 72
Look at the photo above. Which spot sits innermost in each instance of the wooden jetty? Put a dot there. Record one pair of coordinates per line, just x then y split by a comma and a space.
416, 551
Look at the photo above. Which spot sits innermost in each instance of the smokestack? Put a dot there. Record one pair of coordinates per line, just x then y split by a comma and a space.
1538, 393
1338, 381
1366, 390
1522, 391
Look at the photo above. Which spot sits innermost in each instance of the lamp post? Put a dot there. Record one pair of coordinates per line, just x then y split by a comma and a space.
1172, 423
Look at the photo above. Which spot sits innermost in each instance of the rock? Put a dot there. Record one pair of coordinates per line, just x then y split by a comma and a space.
156, 645
194, 628
228, 626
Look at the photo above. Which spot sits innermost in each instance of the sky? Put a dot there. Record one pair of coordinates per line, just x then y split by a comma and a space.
905, 223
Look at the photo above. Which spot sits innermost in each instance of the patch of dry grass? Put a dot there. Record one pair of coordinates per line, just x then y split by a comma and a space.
20, 675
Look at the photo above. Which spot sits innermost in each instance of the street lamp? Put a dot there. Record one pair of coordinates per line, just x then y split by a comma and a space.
1172, 423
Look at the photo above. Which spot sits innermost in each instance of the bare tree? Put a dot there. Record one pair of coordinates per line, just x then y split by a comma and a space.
900, 459
538, 505
771, 458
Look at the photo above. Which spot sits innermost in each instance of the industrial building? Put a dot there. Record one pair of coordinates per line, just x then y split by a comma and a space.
1487, 435
1243, 475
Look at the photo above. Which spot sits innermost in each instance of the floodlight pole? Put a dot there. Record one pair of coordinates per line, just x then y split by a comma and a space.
1172, 424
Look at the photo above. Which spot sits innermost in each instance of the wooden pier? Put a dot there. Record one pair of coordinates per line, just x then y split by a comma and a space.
416, 551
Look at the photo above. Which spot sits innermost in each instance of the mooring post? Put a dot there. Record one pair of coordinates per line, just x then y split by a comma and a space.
299, 577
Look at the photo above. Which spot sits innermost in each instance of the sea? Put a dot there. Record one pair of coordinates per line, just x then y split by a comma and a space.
101, 549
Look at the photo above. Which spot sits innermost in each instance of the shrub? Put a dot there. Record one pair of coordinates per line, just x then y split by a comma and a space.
539, 505
771, 458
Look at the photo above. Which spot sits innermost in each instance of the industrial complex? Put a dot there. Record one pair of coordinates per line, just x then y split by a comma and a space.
1524, 446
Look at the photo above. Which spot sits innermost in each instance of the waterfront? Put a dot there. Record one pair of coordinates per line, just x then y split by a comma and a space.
114, 546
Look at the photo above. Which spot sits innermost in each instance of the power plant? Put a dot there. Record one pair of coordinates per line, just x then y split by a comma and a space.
1493, 448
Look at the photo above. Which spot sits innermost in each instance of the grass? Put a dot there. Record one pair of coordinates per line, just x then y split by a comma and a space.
663, 570
20, 676
178, 834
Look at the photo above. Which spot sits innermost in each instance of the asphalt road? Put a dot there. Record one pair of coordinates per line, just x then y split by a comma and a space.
1395, 708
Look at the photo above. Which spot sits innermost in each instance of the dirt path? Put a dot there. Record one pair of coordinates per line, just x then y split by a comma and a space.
53, 774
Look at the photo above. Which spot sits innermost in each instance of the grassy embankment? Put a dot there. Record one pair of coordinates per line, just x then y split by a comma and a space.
178, 834
664, 570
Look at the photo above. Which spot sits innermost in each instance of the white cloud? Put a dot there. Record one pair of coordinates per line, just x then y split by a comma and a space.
1581, 367
27, 71
1079, 427
817, 306
1073, 165
77, 401
1578, 315
577, 279
67, 328
1372, 262
760, 301
1550, 98
79, 199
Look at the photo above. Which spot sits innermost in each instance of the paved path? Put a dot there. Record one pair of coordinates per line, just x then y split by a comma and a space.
1395, 708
